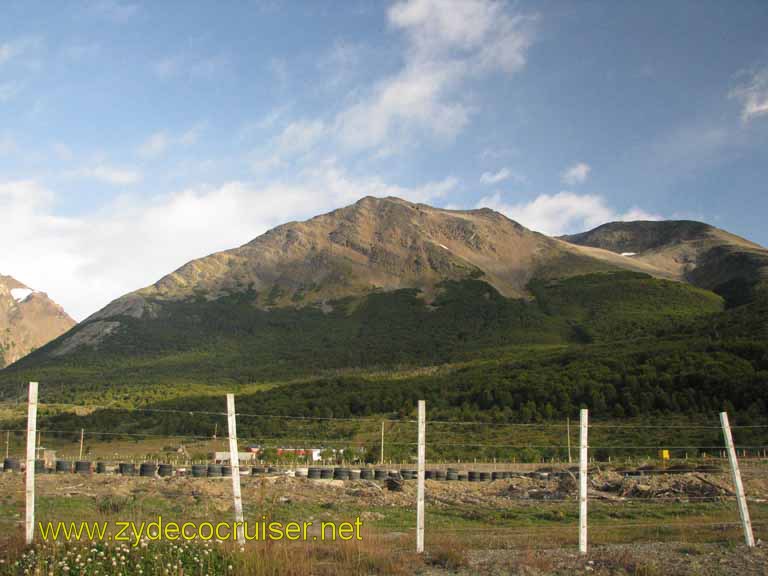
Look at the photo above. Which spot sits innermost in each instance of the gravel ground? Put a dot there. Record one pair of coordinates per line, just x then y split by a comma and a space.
212, 498
651, 559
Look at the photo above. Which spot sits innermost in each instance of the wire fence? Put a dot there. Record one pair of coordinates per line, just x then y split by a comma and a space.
482, 478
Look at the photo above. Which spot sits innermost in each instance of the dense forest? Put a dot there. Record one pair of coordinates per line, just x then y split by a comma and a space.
626, 346
208, 345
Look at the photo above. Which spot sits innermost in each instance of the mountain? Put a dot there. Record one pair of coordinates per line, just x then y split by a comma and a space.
28, 320
695, 252
375, 245
358, 310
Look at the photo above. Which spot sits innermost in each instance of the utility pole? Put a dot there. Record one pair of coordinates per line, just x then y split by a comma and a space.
568, 432
82, 434
381, 458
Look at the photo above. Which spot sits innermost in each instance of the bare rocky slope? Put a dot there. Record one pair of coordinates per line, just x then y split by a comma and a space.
385, 285
690, 251
373, 245
28, 320
385, 244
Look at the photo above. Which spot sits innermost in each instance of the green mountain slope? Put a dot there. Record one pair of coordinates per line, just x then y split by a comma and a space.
691, 251
199, 344
679, 373
367, 308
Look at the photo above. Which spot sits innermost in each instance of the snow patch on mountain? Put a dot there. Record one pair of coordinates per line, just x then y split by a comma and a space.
21, 294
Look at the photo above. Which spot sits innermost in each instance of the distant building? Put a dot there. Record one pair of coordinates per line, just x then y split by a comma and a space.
311, 453
314, 453
222, 457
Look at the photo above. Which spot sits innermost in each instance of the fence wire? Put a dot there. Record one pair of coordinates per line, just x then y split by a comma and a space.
400, 433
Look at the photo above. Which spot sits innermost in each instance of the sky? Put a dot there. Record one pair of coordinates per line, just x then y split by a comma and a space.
137, 136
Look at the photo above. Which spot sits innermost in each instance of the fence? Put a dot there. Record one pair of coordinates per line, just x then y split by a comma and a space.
538, 437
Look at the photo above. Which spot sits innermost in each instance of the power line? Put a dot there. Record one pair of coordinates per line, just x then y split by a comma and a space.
378, 419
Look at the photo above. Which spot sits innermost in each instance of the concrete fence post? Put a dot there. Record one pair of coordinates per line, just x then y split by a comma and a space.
30, 471
234, 461
737, 483
583, 470
420, 481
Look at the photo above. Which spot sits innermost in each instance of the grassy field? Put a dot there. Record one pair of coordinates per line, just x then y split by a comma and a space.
462, 519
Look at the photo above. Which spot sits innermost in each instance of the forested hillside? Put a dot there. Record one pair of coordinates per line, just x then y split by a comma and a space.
366, 309
208, 345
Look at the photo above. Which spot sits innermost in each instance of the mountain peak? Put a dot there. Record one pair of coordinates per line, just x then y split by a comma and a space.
389, 244
28, 320
687, 250
375, 244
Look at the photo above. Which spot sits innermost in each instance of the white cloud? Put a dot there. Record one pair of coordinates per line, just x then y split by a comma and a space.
563, 213
576, 174
107, 174
500, 176
753, 96
412, 102
636, 213
482, 31
161, 142
86, 261
449, 42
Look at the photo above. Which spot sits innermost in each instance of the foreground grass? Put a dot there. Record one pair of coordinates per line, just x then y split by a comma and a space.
93, 559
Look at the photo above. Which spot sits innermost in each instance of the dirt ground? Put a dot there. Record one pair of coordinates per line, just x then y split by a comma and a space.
646, 559
604, 486
540, 510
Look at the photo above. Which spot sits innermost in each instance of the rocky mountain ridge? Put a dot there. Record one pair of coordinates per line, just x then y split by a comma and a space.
381, 245
689, 251
377, 244
28, 320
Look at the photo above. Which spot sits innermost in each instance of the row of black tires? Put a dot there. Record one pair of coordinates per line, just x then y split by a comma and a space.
149, 469
317, 473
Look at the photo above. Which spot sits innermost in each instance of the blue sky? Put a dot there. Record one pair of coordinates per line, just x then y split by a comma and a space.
136, 136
